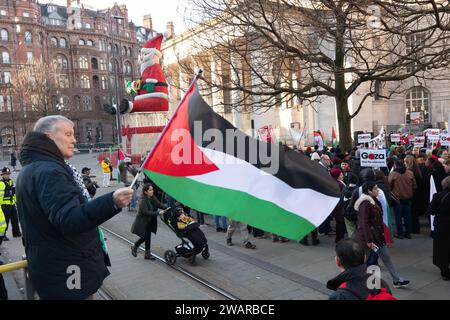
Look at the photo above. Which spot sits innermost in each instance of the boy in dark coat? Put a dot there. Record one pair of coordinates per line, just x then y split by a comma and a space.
351, 283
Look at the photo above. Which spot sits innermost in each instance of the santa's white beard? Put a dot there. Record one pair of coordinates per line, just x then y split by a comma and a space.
147, 64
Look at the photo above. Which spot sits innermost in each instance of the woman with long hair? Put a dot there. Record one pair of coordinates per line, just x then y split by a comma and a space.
146, 220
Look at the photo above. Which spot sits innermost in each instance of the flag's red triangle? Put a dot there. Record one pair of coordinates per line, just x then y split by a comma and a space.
176, 153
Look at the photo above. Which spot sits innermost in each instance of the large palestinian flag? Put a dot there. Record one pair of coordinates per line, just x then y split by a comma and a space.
237, 182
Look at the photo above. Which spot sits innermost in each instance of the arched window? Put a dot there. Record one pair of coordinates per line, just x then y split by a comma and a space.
61, 61
104, 83
5, 57
102, 65
124, 51
81, 42
63, 43
90, 43
83, 63
117, 49
7, 135
96, 82
94, 63
28, 37
4, 35
85, 83
109, 47
417, 105
54, 42
41, 39
127, 68
130, 53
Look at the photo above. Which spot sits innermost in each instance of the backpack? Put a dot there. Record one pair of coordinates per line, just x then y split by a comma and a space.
350, 213
375, 294
381, 294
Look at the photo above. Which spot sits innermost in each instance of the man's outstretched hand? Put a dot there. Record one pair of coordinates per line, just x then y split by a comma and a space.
122, 197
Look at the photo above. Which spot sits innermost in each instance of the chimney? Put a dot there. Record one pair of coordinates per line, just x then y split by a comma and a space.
170, 30
148, 24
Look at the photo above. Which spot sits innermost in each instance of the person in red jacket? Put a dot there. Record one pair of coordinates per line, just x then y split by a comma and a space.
371, 229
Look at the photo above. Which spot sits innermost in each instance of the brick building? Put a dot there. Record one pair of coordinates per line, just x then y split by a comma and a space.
81, 41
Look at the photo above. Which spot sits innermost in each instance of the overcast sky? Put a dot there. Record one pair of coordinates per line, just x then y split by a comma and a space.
160, 10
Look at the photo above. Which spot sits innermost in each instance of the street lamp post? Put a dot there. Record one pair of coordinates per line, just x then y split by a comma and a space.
119, 136
12, 114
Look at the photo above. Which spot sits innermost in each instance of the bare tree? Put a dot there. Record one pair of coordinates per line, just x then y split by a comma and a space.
268, 51
34, 83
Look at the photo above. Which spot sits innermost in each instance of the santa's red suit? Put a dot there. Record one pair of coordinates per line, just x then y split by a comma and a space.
152, 89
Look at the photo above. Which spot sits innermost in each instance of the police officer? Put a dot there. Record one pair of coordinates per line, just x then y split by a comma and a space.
8, 202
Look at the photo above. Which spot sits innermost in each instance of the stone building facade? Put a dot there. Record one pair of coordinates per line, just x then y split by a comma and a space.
82, 42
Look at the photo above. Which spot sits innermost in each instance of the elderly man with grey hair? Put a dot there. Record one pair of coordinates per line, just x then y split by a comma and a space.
67, 257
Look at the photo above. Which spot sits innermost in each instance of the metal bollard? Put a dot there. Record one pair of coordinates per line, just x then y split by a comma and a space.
29, 289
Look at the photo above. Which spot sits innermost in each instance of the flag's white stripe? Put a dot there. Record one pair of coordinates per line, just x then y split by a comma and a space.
239, 175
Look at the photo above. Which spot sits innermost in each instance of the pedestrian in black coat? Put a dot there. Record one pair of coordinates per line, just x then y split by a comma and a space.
64, 248
146, 220
440, 208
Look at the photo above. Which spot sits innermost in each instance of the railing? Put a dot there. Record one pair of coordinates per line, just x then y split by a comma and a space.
29, 289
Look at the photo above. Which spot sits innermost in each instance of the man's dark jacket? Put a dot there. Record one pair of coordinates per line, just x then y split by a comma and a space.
352, 284
59, 226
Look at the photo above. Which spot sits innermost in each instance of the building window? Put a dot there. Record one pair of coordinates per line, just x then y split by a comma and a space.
414, 45
26, 14
51, 9
109, 48
5, 57
76, 103
81, 42
124, 51
102, 65
4, 35
417, 106
94, 63
61, 61
63, 81
90, 43
5, 103
85, 83
28, 37
5, 77
88, 25
83, 63
63, 43
56, 22
3, 13
29, 57
7, 136
54, 42
104, 83
86, 103
127, 68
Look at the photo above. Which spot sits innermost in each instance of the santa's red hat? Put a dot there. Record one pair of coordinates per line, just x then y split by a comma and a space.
154, 43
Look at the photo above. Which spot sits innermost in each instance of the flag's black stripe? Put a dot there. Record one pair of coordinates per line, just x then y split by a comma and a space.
295, 169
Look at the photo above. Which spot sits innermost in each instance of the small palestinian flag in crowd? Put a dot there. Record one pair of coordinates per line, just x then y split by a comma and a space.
334, 141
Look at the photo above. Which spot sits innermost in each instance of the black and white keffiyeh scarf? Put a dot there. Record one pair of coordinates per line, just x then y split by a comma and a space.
79, 181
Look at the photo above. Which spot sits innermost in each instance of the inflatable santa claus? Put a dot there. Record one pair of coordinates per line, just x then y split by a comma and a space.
152, 89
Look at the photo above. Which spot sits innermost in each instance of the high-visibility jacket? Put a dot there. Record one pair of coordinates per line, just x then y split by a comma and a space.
7, 192
105, 167
2, 223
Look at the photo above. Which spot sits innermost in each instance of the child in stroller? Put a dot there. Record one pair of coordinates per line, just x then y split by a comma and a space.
184, 226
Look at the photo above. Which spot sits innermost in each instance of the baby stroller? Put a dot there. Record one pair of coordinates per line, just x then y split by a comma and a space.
187, 249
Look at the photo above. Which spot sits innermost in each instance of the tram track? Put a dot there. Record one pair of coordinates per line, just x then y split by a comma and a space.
223, 293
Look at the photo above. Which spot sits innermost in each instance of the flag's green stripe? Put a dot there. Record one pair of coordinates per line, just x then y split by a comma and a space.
233, 204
